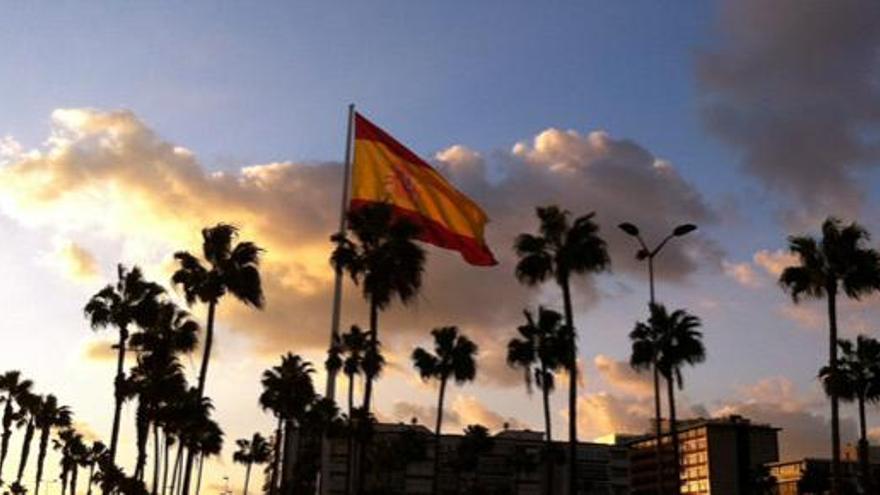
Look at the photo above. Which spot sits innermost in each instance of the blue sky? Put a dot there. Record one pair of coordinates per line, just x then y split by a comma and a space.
253, 84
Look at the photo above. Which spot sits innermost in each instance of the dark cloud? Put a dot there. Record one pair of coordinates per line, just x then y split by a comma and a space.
795, 85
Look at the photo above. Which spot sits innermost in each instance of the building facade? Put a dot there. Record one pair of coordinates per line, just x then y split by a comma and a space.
403, 463
718, 457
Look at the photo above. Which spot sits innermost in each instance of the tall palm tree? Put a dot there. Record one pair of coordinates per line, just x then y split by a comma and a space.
254, 451
385, 261
680, 344
539, 351
288, 391
68, 443
30, 407
857, 380
232, 267
839, 261
50, 416
209, 443
131, 301
453, 357
95, 452
14, 387
560, 249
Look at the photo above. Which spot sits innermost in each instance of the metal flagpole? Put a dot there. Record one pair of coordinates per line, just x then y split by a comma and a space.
337, 297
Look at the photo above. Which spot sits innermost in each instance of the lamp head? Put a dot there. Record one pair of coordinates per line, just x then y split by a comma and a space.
684, 229
629, 229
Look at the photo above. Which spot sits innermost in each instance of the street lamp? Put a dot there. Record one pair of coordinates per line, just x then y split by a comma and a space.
649, 254
646, 253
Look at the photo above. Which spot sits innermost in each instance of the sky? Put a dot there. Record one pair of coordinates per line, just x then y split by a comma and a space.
126, 128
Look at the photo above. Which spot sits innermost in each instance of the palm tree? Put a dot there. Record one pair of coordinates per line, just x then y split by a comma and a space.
539, 352
454, 356
385, 261
839, 261
95, 452
475, 443
50, 415
645, 352
232, 268
254, 451
288, 391
560, 249
12, 384
209, 443
67, 443
29, 405
680, 344
857, 380
132, 301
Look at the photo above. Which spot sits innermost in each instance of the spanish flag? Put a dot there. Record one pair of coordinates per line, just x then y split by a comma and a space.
384, 170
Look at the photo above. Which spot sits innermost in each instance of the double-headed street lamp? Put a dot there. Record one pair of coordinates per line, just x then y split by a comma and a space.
646, 253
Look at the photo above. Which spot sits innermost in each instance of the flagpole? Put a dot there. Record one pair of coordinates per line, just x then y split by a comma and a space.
337, 295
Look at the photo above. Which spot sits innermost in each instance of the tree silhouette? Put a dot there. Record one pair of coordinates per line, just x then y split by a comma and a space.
857, 380
15, 388
453, 357
680, 344
131, 301
50, 416
288, 391
475, 443
839, 261
254, 451
560, 249
30, 408
540, 350
231, 268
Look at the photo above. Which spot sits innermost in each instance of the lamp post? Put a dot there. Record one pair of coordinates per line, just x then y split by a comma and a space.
646, 253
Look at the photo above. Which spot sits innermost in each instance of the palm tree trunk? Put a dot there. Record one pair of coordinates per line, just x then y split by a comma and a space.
175, 475
572, 391
63, 477
41, 457
436, 478
831, 291
91, 478
7, 433
247, 478
658, 429
864, 461
203, 373
73, 476
349, 461
548, 454
201, 470
155, 459
368, 396
25, 449
165, 465
142, 426
117, 391
276, 459
673, 430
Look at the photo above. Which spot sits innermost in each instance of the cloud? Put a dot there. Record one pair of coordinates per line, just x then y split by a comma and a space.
777, 402
107, 176
774, 262
465, 410
73, 261
742, 273
602, 414
794, 87
621, 376
99, 350
808, 316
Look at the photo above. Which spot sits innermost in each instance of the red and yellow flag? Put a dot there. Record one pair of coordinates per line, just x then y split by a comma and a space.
386, 171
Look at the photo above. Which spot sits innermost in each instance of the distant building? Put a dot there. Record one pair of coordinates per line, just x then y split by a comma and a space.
404, 459
718, 457
813, 476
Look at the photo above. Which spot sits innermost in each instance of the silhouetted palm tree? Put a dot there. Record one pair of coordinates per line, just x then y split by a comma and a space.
839, 261
232, 268
132, 301
288, 391
560, 249
857, 379
680, 344
208, 443
29, 405
14, 387
540, 351
94, 454
254, 451
453, 357
385, 261
68, 443
645, 352
50, 416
